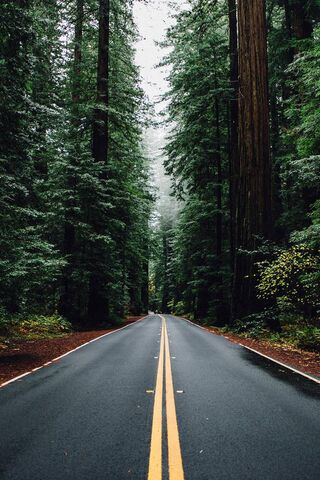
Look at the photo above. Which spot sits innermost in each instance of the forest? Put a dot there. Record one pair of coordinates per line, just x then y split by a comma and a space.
80, 241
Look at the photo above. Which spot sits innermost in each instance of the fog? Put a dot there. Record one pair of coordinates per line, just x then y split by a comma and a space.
152, 19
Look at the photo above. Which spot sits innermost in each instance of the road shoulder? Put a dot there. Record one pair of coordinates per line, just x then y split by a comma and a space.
304, 362
26, 355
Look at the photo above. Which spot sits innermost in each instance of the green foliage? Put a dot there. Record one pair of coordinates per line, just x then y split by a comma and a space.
303, 108
5, 324
296, 334
49, 182
32, 327
253, 326
40, 326
293, 278
64, 217
308, 338
179, 309
192, 275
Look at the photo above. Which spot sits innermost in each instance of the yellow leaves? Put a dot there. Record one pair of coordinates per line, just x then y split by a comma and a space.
283, 276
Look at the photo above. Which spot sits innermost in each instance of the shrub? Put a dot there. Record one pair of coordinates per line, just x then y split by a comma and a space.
254, 326
41, 327
308, 338
4, 326
179, 308
292, 278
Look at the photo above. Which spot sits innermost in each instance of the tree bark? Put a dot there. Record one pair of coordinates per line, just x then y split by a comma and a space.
233, 137
219, 183
302, 27
145, 283
165, 288
254, 196
220, 310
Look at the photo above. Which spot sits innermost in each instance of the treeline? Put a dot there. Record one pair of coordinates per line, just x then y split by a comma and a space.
244, 156
74, 195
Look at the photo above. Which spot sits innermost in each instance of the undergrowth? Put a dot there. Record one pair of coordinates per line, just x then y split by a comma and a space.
32, 328
295, 331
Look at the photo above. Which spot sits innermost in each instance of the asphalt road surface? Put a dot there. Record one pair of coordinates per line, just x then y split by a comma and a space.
161, 399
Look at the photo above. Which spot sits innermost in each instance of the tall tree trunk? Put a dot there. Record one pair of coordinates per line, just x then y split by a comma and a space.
219, 183
288, 23
302, 27
145, 282
100, 133
68, 300
165, 291
77, 63
254, 203
233, 138
220, 310
98, 304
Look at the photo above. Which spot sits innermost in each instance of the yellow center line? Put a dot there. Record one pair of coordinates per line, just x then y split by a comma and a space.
174, 450
155, 459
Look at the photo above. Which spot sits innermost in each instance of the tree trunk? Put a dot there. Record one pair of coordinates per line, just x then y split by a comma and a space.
220, 309
219, 183
145, 284
98, 304
254, 204
165, 290
302, 27
233, 138
100, 133
68, 300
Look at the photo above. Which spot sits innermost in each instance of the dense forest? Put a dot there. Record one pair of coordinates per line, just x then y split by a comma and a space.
75, 199
243, 154
78, 239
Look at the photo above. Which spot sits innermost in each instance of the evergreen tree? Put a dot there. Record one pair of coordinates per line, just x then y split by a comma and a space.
254, 217
197, 155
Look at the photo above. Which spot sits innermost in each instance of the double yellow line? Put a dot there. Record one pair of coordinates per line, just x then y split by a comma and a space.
174, 450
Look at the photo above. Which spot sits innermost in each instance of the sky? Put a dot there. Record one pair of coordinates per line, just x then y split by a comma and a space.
152, 20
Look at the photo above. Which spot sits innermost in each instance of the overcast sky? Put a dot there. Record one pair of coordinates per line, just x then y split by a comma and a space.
152, 19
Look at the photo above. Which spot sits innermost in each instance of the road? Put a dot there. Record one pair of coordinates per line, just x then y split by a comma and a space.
161, 399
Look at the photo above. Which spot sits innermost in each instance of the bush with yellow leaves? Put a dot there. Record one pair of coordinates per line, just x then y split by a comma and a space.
293, 278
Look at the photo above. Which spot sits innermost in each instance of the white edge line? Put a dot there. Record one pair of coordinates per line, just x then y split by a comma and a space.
68, 353
282, 364
309, 377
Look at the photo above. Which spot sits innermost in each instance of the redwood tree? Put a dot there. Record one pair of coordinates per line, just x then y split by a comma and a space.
233, 127
67, 306
98, 304
253, 202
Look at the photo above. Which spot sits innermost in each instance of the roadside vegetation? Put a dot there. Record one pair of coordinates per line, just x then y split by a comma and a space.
34, 328
75, 198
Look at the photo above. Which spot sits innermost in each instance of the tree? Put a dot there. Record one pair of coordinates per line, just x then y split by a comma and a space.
233, 140
254, 199
75, 198
197, 158
98, 304
68, 302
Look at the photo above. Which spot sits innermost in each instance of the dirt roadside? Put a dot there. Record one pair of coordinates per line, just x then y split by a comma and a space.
302, 360
25, 355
